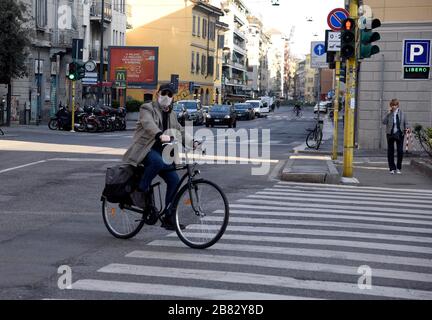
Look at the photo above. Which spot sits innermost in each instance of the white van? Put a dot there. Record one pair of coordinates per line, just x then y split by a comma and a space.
258, 107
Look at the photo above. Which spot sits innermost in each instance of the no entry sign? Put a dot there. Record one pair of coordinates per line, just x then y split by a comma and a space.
335, 18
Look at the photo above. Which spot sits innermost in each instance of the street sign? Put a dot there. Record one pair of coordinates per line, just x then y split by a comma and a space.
318, 55
416, 59
335, 18
120, 78
333, 41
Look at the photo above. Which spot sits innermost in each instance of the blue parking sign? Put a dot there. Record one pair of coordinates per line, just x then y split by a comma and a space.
417, 53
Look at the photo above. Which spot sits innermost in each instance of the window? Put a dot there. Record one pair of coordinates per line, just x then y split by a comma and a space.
197, 63
217, 70
193, 26
41, 13
199, 26
204, 28
210, 65
192, 62
203, 64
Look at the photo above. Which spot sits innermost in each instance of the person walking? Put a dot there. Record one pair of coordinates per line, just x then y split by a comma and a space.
396, 124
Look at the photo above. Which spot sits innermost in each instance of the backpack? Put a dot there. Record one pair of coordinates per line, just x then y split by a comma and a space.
120, 182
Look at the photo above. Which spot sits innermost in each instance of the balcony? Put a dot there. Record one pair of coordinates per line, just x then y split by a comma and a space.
63, 38
240, 49
241, 34
96, 10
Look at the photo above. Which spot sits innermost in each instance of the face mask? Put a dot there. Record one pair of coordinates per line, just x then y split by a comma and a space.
164, 101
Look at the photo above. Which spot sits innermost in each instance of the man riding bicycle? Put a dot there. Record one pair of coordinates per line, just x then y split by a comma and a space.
155, 121
297, 108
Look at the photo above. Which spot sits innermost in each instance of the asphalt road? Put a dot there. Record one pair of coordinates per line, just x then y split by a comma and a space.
50, 200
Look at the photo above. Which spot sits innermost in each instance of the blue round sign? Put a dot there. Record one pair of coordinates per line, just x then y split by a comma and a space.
336, 17
319, 49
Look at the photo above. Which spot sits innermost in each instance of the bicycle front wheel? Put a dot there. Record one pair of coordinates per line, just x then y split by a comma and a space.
203, 208
121, 223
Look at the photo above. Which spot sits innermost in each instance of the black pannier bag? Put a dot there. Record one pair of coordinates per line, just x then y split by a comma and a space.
120, 182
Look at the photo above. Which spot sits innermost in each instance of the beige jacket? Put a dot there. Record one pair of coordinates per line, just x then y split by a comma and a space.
148, 126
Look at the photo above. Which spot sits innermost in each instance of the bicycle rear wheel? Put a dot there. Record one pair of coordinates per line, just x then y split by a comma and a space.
204, 210
311, 141
121, 223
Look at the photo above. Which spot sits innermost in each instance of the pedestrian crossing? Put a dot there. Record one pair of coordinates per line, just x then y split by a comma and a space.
292, 117
291, 241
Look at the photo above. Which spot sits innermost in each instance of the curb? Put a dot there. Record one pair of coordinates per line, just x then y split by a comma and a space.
422, 166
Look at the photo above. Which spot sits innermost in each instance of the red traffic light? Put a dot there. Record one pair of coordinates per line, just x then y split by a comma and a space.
348, 24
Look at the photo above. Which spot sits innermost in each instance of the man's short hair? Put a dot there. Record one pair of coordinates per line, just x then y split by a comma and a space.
394, 102
167, 86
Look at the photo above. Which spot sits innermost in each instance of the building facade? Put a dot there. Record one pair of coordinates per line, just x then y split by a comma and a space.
189, 37
258, 45
53, 26
276, 63
381, 77
311, 82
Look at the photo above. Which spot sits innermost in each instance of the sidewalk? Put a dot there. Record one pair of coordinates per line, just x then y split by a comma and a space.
370, 166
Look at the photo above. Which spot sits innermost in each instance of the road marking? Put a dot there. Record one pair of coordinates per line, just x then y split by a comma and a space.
323, 253
366, 226
349, 215
337, 200
326, 186
176, 291
279, 264
335, 206
22, 166
318, 233
263, 280
325, 242
308, 193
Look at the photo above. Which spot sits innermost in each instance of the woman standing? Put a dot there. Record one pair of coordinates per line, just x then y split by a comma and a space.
396, 125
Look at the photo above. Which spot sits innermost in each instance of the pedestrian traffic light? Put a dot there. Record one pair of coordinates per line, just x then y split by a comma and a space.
348, 39
367, 37
72, 71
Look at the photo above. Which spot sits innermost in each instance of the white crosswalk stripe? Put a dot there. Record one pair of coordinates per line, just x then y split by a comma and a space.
292, 241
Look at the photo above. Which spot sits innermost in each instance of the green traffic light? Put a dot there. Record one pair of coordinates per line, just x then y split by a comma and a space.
366, 48
71, 76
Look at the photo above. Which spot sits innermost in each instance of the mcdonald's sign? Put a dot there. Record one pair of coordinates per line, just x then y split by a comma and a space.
120, 78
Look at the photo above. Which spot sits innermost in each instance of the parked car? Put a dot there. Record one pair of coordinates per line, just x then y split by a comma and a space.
195, 111
182, 113
322, 107
268, 101
259, 108
244, 111
222, 115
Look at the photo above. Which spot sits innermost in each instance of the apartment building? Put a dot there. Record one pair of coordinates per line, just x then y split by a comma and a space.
53, 26
190, 40
381, 77
276, 62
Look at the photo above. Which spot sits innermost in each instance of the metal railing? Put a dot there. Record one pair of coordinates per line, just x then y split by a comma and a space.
63, 38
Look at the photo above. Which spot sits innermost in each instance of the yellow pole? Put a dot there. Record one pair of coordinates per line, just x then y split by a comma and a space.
73, 107
336, 111
350, 98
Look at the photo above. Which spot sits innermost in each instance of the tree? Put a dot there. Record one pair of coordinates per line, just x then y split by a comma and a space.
14, 41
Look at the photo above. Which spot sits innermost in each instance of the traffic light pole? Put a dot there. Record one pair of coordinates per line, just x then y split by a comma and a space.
350, 102
73, 106
336, 110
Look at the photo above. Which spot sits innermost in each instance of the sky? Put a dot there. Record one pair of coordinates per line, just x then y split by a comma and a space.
296, 13
289, 13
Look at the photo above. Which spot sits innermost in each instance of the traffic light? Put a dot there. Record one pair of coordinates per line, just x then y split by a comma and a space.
80, 70
76, 71
367, 37
348, 39
72, 71
331, 59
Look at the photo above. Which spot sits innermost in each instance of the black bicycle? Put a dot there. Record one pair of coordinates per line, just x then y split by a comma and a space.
314, 138
199, 205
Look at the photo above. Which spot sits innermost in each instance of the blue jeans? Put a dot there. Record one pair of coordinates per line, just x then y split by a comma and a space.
153, 166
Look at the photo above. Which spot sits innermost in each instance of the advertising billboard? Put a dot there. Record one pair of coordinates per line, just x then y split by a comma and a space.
140, 63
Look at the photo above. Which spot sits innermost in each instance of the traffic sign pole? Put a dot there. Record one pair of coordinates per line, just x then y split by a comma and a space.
73, 106
350, 102
336, 109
